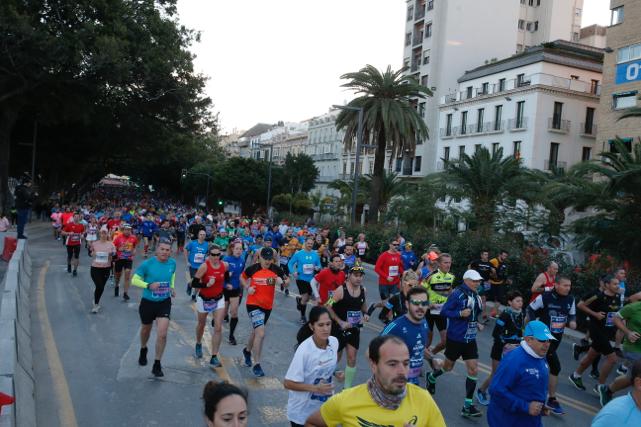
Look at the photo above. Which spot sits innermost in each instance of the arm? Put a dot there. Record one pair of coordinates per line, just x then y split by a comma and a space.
534, 306
139, 282
451, 308
584, 307
500, 389
539, 284
315, 286
378, 268
315, 420
292, 263
632, 336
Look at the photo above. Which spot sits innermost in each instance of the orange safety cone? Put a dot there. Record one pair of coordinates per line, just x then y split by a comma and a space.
10, 244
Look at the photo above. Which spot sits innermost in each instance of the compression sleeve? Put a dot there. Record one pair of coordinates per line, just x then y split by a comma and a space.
534, 306
137, 281
315, 285
173, 279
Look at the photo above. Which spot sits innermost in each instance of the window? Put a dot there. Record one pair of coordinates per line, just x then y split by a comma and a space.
428, 30
575, 37
629, 53
516, 149
495, 147
594, 87
410, 13
485, 88
446, 153
463, 122
430, 5
479, 120
399, 164
530, 2
501, 85
627, 142
406, 63
448, 125
498, 113
529, 26
585, 154
521, 24
554, 155
556, 117
425, 80
538, 2
520, 80
589, 121
617, 16
520, 109
469, 92
421, 109
477, 147
577, 12
461, 151
625, 100
344, 168
536, 25
408, 39
417, 163
426, 57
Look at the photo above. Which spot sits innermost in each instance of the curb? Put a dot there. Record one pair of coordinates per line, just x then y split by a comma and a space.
16, 364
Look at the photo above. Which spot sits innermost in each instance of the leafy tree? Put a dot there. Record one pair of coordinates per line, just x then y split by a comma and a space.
299, 172
391, 186
391, 121
418, 206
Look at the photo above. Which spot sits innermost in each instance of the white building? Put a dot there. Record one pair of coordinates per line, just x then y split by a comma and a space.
539, 105
325, 147
276, 136
444, 38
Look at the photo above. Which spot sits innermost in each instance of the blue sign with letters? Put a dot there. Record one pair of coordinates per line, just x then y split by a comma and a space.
628, 72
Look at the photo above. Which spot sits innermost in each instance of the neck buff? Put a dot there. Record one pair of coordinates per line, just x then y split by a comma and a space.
382, 398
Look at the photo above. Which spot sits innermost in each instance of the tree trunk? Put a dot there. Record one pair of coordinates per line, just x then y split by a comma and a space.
8, 117
377, 177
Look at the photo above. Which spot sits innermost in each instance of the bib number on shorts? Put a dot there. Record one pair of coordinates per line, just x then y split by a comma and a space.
257, 318
557, 324
354, 318
102, 257
437, 309
308, 269
163, 291
470, 333
210, 305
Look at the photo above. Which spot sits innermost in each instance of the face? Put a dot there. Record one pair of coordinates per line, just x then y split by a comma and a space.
350, 240
319, 239
485, 256
163, 252
409, 284
613, 286
349, 250
503, 256
563, 287
337, 263
516, 303
472, 284
356, 279
237, 250
230, 412
361, 237
620, 275
553, 269
267, 243
393, 247
202, 234
539, 347
445, 264
322, 327
392, 367
309, 243
126, 231
417, 306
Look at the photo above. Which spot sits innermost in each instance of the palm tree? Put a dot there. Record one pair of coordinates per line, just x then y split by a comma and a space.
485, 180
391, 187
391, 122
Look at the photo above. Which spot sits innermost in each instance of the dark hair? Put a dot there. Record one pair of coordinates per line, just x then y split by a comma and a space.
485, 250
636, 370
306, 331
214, 392
164, 241
376, 344
559, 278
511, 295
331, 258
443, 255
415, 291
503, 251
607, 279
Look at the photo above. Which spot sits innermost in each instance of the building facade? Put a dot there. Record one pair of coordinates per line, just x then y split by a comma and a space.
539, 106
444, 38
594, 35
621, 74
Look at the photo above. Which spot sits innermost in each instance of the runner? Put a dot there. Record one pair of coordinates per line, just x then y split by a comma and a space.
624, 411
348, 256
156, 276
210, 280
348, 312
56, 223
396, 304
389, 268
309, 377
236, 264
92, 233
101, 251
429, 263
486, 270
439, 287
462, 310
225, 405
260, 281
73, 232
602, 307
507, 335
386, 399
303, 265
498, 282
361, 247
195, 253
195, 227
412, 328
148, 228
555, 308
181, 234
410, 261
545, 281
328, 280
125, 249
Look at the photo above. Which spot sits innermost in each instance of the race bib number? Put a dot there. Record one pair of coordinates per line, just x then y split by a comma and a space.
125, 255
199, 258
257, 318
470, 333
163, 291
609, 319
354, 318
436, 309
210, 305
321, 397
557, 324
361, 251
74, 238
308, 269
102, 257
393, 271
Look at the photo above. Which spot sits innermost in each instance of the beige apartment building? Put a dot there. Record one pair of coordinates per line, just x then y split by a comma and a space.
621, 75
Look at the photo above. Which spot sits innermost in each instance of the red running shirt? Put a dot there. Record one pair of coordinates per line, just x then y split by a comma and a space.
77, 230
217, 273
328, 282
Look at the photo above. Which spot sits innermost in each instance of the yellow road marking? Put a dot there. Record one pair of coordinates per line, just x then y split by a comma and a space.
66, 414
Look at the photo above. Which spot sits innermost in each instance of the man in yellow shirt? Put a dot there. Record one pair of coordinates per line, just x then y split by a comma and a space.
386, 398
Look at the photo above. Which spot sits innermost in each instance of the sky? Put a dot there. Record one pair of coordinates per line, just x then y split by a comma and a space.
273, 60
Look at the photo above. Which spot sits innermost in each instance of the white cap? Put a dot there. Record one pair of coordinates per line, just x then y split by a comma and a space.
472, 275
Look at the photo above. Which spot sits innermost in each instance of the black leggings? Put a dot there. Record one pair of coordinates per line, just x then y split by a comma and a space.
293, 424
99, 275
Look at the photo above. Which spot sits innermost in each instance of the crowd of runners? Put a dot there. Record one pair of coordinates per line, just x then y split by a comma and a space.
236, 259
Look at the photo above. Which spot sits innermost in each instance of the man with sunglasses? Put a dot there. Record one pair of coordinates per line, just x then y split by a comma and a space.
462, 310
389, 267
412, 328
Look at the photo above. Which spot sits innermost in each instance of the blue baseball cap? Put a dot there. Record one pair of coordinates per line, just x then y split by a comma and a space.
538, 330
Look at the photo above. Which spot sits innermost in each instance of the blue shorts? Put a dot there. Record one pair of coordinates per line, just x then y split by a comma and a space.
387, 291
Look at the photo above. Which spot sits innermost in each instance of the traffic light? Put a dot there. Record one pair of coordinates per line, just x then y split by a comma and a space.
220, 202
183, 173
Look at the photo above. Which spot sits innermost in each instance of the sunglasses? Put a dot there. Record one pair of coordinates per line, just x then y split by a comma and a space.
214, 254
542, 341
419, 302
395, 244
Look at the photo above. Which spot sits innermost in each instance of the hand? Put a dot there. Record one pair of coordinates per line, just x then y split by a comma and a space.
344, 325
366, 318
633, 336
173, 293
535, 408
390, 279
153, 286
466, 312
229, 287
481, 326
599, 316
251, 290
324, 388
340, 376
573, 325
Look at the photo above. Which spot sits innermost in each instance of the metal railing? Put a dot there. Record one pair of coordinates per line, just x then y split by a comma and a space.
558, 125
419, 13
587, 129
517, 124
447, 133
418, 39
549, 165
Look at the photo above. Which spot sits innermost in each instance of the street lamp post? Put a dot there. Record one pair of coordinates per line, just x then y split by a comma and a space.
269, 180
185, 172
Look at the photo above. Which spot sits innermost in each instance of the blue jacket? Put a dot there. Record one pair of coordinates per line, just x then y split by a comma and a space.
520, 379
462, 329
409, 260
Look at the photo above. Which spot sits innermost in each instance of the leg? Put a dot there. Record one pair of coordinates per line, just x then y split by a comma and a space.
350, 369
200, 326
606, 368
162, 325
233, 314
216, 337
441, 344
127, 279
488, 380
586, 361
145, 332
258, 335
471, 380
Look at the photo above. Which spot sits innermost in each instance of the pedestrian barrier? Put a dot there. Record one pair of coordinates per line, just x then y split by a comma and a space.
10, 244
16, 365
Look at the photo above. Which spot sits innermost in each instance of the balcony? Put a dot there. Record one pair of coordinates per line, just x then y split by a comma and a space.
420, 12
549, 165
345, 176
587, 130
518, 124
447, 133
556, 125
417, 40
324, 156
415, 65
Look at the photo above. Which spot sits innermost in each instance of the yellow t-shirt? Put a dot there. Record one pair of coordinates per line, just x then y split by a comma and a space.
354, 407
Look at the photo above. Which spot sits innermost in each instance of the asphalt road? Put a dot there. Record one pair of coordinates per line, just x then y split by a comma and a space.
87, 373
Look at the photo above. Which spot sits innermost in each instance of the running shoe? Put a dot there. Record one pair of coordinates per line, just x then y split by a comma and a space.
199, 351
605, 395
470, 411
258, 371
371, 309
75, 273
68, 268
430, 383
302, 320
142, 359
622, 370
553, 405
95, 308
594, 374
286, 291
214, 362
188, 289
116, 291
125, 296
248, 357
481, 397
577, 381
157, 370
232, 340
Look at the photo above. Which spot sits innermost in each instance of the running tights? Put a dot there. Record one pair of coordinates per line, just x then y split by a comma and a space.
99, 275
